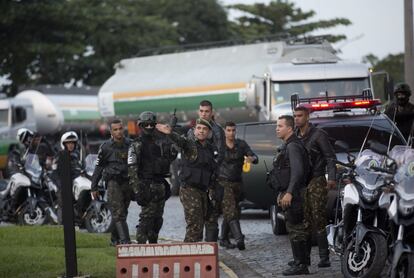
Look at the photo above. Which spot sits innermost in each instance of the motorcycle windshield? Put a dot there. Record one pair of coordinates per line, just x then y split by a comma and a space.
365, 175
32, 166
90, 163
404, 178
397, 153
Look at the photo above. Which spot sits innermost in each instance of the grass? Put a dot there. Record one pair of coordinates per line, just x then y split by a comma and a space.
39, 252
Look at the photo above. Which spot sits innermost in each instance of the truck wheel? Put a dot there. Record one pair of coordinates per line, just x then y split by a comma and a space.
278, 225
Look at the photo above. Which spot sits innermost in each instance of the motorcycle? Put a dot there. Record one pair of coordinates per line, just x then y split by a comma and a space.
359, 236
399, 202
94, 215
22, 198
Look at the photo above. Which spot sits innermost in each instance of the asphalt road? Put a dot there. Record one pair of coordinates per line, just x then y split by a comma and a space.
266, 255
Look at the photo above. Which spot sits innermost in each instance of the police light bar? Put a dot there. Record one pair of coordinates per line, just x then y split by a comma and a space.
337, 103
341, 105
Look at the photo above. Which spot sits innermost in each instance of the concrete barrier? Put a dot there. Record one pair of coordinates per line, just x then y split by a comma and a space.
167, 260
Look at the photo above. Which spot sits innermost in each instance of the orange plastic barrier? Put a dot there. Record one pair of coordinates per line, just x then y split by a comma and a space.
179, 260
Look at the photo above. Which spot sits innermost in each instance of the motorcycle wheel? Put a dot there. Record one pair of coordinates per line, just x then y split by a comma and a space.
37, 218
405, 267
370, 261
101, 222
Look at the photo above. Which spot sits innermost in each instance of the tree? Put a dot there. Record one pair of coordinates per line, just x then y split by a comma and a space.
279, 17
393, 64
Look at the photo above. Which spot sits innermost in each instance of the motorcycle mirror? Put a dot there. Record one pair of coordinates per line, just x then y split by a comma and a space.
342, 145
378, 147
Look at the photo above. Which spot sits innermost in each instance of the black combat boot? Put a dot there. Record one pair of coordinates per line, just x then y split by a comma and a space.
323, 249
300, 267
238, 236
224, 238
123, 232
211, 233
114, 237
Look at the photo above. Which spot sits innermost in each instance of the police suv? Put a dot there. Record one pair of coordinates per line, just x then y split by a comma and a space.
354, 119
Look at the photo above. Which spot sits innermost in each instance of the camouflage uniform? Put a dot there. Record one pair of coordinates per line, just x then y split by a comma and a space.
111, 165
403, 118
218, 140
149, 160
322, 157
197, 175
230, 178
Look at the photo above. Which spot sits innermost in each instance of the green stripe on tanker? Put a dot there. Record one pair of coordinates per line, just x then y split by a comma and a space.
226, 100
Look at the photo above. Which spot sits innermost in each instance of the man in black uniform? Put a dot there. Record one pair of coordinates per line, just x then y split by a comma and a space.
288, 178
111, 165
402, 110
149, 160
230, 178
217, 139
323, 157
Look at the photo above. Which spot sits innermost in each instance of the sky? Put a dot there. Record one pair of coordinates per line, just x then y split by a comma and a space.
377, 25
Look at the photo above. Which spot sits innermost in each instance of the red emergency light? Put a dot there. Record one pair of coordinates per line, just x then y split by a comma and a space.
341, 105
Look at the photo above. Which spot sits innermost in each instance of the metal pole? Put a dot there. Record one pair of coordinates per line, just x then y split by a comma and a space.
67, 214
409, 44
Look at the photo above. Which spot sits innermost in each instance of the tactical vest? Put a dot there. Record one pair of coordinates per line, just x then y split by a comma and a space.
231, 167
198, 173
156, 157
116, 163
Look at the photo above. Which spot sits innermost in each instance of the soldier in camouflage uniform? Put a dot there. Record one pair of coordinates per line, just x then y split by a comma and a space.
111, 165
322, 157
402, 110
288, 179
217, 139
149, 160
230, 178
197, 176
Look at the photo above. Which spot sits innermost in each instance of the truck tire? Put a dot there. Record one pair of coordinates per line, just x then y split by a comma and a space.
278, 225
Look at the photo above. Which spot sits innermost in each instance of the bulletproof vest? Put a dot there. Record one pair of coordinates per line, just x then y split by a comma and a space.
198, 173
117, 160
281, 170
75, 165
231, 167
156, 157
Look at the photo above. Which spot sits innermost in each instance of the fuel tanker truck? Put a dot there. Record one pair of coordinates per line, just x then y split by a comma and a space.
45, 114
245, 83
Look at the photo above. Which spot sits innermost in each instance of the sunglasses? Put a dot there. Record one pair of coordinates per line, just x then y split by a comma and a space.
147, 123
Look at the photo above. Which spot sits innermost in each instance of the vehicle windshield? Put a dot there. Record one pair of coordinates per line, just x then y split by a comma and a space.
354, 133
404, 178
32, 166
317, 88
4, 117
90, 162
365, 175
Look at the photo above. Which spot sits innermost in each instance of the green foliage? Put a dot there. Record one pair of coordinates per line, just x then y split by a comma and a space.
39, 252
279, 17
61, 41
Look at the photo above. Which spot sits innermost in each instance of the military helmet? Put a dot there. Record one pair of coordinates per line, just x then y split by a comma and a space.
402, 88
23, 134
69, 136
146, 118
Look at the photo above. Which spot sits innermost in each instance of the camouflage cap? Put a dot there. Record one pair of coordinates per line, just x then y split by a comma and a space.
200, 121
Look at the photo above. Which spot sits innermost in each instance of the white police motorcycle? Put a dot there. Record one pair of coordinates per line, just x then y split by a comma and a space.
399, 202
359, 238
95, 215
22, 198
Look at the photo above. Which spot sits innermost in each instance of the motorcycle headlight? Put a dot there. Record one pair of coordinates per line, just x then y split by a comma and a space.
370, 195
405, 207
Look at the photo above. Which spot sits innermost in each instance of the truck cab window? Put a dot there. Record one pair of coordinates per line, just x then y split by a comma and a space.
19, 115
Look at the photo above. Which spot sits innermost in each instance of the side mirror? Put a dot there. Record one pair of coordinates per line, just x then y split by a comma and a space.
342, 145
378, 147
